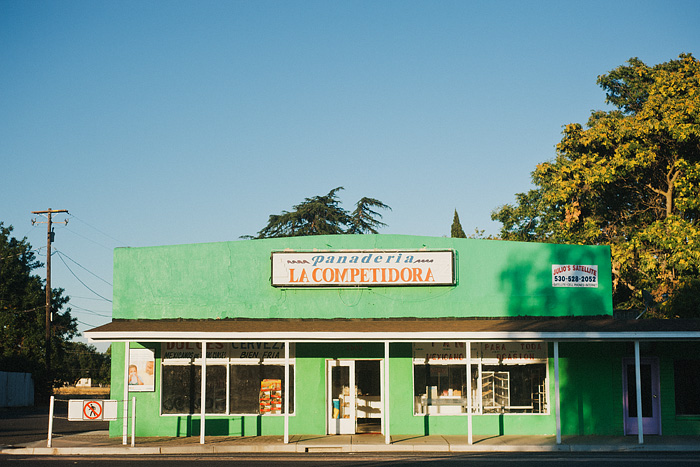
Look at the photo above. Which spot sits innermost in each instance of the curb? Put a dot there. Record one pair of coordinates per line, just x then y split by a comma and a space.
302, 449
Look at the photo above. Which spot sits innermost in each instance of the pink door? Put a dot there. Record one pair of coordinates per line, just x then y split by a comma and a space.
651, 409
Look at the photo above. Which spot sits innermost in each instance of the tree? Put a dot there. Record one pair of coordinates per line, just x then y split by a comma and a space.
629, 179
323, 215
23, 312
457, 231
85, 361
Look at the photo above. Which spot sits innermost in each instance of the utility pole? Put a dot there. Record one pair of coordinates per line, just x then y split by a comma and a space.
49, 240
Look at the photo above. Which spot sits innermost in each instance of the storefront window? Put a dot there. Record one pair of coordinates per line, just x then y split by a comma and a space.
507, 377
441, 389
259, 389
178, 389
514, 388
242, 378
182, 388
686, 376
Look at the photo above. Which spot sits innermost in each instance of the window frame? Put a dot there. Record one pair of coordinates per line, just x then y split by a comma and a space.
479, 362
228, 363
684, 372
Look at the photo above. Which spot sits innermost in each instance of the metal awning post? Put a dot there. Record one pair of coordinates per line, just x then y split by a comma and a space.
125, 412
203, 397
387, 434
557, 399
286, 392
638, 380
468, 387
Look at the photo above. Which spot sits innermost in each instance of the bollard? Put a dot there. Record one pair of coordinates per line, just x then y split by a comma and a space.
133, 421
48, 440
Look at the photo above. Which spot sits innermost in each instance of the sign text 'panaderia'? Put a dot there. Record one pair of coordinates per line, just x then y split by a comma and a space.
362, 268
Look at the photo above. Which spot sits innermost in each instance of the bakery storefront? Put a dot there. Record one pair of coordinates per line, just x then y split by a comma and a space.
398, 335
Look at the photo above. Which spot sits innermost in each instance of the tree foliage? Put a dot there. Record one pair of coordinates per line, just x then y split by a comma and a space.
323, 215
457, 231
84, 361
23, 313
629, 179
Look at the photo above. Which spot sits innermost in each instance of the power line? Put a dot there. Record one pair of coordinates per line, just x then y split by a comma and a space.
84, 298
86, 269
78, 279
83, 323
98, 230
25, 311
89, 239
88, 311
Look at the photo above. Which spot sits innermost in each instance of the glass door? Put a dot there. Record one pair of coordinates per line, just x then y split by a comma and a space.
354, 397
341, 397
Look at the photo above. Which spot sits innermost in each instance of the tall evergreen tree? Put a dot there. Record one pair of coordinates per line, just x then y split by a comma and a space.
363, 219
323, 215
457, 231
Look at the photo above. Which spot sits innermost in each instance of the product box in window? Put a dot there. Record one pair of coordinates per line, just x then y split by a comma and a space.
271, 385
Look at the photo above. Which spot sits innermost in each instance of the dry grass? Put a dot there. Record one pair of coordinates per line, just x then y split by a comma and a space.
69, 390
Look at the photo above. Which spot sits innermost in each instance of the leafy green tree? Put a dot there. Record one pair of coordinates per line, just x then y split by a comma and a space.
457, 231
629, 179
323, 215
84, 361
23, 313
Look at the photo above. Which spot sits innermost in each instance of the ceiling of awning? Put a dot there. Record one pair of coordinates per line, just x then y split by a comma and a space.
395, 330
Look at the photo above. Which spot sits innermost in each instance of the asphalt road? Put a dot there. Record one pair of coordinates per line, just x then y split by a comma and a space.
361, 459
19, 426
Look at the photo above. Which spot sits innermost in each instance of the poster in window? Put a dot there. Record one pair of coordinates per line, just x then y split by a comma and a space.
142, 364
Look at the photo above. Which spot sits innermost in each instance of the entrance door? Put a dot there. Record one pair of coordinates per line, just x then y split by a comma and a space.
651, 414
354, 396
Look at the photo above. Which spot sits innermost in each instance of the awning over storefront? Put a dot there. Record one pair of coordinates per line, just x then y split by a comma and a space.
396, 330
556, 330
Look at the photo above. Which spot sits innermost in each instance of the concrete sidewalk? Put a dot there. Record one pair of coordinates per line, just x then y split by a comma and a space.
99, 443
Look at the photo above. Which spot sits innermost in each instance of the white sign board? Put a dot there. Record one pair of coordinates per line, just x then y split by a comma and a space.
574, 275
92, 410
141, 370
362, 268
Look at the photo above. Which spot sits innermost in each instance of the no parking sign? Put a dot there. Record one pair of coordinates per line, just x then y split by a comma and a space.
92, 410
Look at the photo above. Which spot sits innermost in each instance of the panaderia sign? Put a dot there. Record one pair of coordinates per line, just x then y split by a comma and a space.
362, 268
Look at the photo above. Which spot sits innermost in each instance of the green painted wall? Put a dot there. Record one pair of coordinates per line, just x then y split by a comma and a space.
494, 278
590, 388
673, 424
232, 279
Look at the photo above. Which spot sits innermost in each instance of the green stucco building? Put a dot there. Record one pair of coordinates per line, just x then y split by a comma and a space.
390, 334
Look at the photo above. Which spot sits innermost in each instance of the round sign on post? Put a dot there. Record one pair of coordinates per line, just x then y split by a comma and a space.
92, 410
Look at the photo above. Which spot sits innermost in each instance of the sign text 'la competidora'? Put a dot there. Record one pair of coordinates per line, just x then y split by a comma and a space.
362, 268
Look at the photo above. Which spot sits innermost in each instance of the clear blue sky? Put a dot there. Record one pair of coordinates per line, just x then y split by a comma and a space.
166, 122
